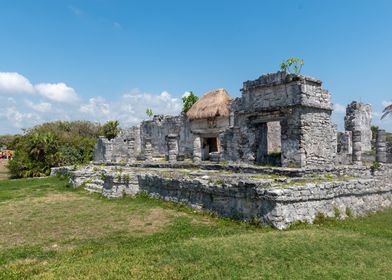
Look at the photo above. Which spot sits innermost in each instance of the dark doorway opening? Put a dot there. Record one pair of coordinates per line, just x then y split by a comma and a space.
268, 143
210, 145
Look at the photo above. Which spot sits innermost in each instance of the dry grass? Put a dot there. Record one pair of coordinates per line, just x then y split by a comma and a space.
59, 217
3, 169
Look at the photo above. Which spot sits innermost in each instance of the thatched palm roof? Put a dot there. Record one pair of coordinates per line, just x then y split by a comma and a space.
212, 104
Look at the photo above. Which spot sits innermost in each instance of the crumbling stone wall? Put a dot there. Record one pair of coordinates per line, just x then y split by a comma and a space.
160, 126
130, 144
359, 117
303, 109
389, 152
270, 202
124, 147
344, 148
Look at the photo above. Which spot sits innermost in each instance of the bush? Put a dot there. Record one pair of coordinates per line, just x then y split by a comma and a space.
53, 144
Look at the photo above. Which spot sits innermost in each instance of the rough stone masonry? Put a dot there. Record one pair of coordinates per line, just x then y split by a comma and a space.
280, 119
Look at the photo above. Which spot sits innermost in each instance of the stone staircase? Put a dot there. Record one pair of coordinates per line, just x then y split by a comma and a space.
95, 186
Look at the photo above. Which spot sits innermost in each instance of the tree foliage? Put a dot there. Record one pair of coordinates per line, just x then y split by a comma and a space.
8, 141
188, 100
111, 129
53, 144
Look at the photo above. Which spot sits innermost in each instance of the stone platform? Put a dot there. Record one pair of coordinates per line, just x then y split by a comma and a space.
273, 196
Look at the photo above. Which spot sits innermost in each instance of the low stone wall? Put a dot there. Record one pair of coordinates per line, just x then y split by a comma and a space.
250, 201
273, 200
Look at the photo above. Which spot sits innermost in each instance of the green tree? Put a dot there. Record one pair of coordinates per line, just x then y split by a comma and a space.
111, 129
188, 100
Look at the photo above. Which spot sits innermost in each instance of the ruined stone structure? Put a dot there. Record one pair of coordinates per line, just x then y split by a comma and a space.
359, 117
302, 109
272, 196
381, 149
147, 141
209, 118
280, 119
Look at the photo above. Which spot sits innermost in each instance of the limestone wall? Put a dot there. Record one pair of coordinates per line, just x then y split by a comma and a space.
302, 108
277, 90
389, 152
359, 117
210, 126
250, 200
130, 143
161, 126
319, 137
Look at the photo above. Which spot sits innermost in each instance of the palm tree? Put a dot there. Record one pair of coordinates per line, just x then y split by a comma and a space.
387, 111
111, 129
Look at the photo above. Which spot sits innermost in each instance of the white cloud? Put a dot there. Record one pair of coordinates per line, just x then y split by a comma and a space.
339, 108
43, 107
130, 109
14, 83
18, 119
59, 92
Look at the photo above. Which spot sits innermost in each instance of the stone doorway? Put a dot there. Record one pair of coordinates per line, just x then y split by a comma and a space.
209, 145
268, 143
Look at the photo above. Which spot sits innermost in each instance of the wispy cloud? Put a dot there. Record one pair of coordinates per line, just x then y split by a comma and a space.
117, 25
339, 108
76, 11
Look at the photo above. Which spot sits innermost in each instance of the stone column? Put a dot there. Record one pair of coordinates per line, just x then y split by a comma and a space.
381, 146
147, 149
172, 147
197, 149
131, 150
357, 147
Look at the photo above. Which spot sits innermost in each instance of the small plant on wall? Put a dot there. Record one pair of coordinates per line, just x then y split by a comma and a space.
292, 65
149, 113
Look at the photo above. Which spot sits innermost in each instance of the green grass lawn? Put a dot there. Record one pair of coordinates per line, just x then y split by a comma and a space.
50, 231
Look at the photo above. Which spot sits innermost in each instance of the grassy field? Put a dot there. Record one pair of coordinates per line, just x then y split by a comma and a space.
3, 169
50, 231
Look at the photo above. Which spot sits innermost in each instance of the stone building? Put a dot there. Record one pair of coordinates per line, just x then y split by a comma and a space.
296, 104
279, 119
209, 117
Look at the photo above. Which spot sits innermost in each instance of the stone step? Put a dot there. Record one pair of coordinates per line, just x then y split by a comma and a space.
97, 181
91, 187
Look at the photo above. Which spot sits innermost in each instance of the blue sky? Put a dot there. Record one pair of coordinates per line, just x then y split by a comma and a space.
102, 59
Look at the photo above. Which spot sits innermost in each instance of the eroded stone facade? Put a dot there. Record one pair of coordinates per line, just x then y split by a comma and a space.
359, 117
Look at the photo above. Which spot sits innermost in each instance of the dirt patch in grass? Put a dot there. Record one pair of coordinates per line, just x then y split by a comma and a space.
61, 217
4, 174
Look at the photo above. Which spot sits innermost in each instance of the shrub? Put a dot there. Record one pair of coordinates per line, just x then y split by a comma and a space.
53, 144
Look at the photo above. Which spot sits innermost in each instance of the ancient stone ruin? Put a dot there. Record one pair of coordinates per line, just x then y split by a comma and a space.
273, 154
